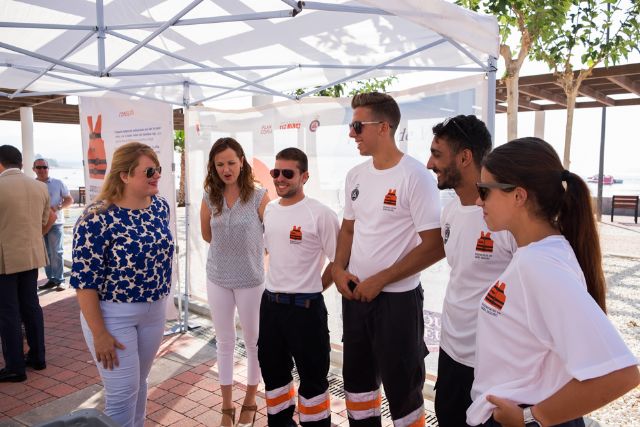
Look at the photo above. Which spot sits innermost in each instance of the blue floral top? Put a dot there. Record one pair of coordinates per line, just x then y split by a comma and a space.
125, 254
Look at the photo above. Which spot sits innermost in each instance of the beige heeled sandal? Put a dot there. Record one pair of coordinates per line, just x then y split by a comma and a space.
246, 408
231, 413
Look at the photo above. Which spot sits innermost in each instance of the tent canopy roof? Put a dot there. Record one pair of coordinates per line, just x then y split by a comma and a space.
188, 53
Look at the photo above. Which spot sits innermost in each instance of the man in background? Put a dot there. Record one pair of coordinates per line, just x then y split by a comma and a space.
59, 198
24, 214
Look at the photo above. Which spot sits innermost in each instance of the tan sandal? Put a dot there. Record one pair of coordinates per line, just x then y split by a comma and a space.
247, 408
231, 413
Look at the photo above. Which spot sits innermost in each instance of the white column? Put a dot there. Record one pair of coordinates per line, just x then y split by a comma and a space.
28, 152
538, 126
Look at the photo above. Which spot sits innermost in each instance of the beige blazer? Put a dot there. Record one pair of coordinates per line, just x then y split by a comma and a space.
24, 209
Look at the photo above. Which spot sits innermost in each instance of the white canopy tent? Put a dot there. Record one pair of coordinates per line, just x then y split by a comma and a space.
190, 54
209, 50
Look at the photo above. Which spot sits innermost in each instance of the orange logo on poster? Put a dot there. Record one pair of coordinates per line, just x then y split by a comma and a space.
391, 199
496, 296
96, 155
485, 244
296, 233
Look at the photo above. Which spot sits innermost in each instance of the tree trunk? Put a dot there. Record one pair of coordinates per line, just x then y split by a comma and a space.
181, 195
511, 82
571, 106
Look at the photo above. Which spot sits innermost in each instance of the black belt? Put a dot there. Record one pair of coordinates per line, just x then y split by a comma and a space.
300, 300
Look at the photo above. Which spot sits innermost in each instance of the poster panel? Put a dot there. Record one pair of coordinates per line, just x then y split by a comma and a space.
108, 123
319, 127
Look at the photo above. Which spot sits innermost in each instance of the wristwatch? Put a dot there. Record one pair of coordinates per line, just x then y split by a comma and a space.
529, 419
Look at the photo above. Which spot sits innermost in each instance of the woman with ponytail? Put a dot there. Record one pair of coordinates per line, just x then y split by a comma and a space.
546, 353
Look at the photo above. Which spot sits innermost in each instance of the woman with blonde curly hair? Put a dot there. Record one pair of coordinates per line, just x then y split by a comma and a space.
231, 221
122, 253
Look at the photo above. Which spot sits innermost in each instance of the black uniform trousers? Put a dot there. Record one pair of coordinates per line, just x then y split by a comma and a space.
19, 304
290, 331
384, 342
453, 391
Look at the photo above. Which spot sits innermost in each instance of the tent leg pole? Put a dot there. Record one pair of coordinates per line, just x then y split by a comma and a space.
490, 119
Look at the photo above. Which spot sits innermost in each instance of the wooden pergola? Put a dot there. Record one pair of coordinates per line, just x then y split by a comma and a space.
605, 87
54, 109
610, 87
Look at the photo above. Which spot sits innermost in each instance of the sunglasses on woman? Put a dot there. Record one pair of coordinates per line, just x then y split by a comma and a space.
357, 126
485, 187
287, 173
149, 172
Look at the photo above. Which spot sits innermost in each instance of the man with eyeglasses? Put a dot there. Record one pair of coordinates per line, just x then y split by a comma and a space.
390, 233
24, 212
60, 198
476, 256
299, 234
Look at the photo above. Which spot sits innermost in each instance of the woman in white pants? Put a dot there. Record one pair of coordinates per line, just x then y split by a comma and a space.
231, 221
122, 252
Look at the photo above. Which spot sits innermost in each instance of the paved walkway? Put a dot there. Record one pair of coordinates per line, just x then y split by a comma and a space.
183, 391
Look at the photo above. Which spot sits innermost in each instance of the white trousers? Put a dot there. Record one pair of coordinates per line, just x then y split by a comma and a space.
140, 327
222, 304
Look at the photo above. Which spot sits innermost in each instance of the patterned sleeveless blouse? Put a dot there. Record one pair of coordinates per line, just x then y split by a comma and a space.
236, 253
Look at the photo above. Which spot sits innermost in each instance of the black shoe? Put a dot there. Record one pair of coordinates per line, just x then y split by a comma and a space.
11, 377
50, 284
36, 366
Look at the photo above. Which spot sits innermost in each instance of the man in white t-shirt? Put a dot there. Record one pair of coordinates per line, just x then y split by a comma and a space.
300, 233
476, 255
390, 232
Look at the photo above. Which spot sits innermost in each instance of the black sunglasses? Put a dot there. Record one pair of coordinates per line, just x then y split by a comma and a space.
448, 120
287, 173
149, 172
41, 167
485, 187
357, 126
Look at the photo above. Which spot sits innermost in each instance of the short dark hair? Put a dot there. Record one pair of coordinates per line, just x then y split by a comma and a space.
296, 154
40, 159
465, 132
10, 156
383, 107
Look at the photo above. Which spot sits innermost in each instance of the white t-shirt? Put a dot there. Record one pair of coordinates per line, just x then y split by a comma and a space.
389, 207
298, 238
538, 328
476, 256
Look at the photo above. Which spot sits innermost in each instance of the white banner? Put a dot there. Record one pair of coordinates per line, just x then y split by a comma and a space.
108, 123
319, 127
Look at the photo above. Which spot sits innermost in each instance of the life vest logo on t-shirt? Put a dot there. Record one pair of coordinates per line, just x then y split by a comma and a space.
295, 235
390, 200
484, 246
495, 299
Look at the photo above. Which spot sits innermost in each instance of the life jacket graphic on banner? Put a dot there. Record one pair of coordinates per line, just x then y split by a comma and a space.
96, 155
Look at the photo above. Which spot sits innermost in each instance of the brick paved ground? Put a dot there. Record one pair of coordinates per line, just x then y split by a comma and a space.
183, 391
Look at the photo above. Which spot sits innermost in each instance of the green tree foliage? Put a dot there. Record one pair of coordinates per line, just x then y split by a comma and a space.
178, 145
532, 21
360, 86
582, 43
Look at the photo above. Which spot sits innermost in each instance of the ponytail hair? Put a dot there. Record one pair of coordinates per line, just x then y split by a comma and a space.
534, 165
577, 223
